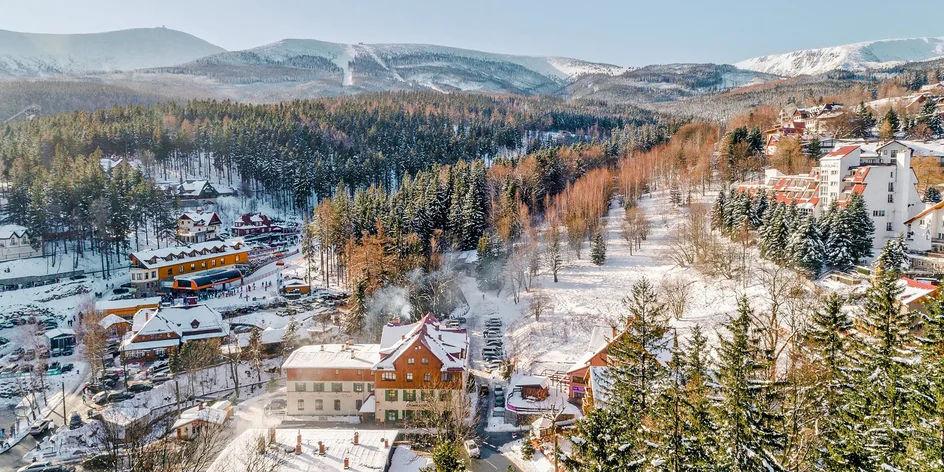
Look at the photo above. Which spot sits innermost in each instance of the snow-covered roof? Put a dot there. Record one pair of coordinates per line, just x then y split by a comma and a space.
369, 405
294, 282
111, 320
532, 381
122, 415
914, 290
269, 335
215, 413
157, 258
55, 333
448, 345
9, 231
201, 218
127, 303
335, 356
392, 333
370, 454
195, 321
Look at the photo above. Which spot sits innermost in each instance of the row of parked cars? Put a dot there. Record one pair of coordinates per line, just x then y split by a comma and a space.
494, 350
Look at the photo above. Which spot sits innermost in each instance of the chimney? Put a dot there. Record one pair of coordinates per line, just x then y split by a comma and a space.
386, 443
298, 443
321, 448
355, 437
352, 353
402, 337
347, 463
271, 435
614, 331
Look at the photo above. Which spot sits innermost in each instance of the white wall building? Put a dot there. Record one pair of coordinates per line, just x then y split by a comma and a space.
15, 243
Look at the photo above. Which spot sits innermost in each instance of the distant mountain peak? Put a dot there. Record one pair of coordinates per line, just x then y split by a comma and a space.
855, 57
37, 54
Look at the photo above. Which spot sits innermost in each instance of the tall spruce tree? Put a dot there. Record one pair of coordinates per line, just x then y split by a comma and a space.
748, 443
806, 247
885, 389
863, 229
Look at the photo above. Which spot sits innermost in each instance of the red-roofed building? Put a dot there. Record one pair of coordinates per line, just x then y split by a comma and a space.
254, 223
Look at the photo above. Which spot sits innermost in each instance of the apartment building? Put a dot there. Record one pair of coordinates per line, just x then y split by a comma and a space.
330, 380
416, 368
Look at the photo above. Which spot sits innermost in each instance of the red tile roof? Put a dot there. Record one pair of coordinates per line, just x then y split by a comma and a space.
918, 284
843, 151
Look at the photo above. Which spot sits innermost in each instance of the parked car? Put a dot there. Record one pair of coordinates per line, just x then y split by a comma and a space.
75, 421
100, 398
29, 355
9, 368
67, 367
35, 467
140, 387
494, 342
56, 352
110, 376
40, 427
68, 351
500, 401
161, 378
472, 449
119, 396
59, 468
276, 407
55, 366
497, 322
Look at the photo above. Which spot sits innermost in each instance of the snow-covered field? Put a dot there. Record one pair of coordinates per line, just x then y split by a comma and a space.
588, 295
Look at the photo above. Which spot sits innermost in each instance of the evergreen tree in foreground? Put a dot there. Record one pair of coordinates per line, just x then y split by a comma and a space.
806, 247
748, 443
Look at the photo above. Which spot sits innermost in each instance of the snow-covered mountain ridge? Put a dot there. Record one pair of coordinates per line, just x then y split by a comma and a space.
43, 55
855, 57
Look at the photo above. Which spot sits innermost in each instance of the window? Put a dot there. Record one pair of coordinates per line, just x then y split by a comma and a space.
370, 387
336, 387
891, 186
319, 405
170, 271
193, 266
153, 274
446, 377
427, 377
358, 387
894, 153
878, 212
409, 376
358, 404
411, 361
301, 405
888, 226
891, 198
425, 361
445, 396
337, 405
391, 415
409, 395
388, 376
390, 395
318, 387
299, 386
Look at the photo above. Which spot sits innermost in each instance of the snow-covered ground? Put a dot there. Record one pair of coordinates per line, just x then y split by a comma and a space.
537, 463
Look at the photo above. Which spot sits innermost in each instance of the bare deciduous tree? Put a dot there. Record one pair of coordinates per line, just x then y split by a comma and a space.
677, 293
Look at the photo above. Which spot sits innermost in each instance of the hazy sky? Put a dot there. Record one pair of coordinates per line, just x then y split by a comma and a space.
627, 32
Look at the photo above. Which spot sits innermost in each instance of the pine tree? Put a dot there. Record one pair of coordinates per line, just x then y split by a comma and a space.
930, 405
356, 319
701, 444
747, 441
806, 247
863, 229
633, 356
884, 391
893, 255
841, 250
290, 335
828, 338
932, 195
718, 211
758, 212
772, 234
598, 248
255, 352
814, 148
605, 440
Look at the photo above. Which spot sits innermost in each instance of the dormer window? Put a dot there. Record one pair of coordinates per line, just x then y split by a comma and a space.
194, 324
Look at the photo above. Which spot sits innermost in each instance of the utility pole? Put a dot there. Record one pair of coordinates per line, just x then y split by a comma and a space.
64, 417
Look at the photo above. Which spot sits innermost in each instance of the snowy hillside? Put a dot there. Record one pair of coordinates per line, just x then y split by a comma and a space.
333, 68
851, 57
36, 55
